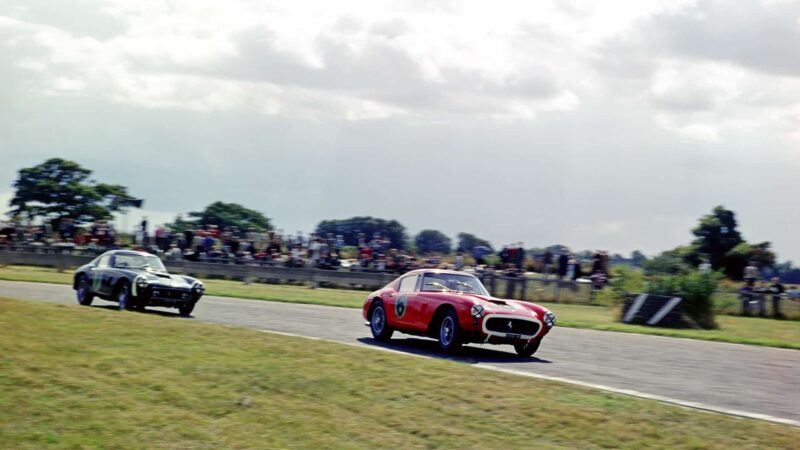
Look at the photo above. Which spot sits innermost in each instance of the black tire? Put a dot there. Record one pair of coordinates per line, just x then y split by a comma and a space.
186, 309
84, 291
123, 297
449, 332
381, 330
527, 349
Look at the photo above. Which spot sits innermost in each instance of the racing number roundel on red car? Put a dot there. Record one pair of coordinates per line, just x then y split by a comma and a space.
400, 306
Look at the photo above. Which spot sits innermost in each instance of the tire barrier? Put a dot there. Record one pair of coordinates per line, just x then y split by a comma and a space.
654, 310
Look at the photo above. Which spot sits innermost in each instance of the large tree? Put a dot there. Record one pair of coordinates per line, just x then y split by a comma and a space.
350, 229
468, 241
58, 189
432, 241
716, 235
231, 215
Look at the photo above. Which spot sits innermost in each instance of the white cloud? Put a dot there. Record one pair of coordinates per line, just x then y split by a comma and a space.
31, 64
367, 60
604, 112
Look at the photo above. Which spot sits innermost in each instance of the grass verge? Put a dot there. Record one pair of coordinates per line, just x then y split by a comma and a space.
74, 377
740, 330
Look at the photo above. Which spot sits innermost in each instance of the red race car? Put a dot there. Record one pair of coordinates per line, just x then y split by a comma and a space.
455, 308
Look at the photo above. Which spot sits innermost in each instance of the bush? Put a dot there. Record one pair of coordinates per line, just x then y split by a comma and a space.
622, 280
666, 264
627, 279
695, 288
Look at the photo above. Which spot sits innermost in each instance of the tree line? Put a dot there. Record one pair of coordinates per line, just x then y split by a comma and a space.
59, 189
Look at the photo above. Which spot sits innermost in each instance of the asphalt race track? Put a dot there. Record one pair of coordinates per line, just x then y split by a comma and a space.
739, 379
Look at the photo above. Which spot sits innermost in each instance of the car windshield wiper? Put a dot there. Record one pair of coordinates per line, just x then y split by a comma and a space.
144, 266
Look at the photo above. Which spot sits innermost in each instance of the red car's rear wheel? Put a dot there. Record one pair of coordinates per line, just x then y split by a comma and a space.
377, 323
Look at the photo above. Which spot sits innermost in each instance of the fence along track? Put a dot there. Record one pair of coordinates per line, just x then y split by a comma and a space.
519, 288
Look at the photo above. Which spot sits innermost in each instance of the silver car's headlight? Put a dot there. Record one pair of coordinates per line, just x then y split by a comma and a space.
549, 319
141, 282
477, 311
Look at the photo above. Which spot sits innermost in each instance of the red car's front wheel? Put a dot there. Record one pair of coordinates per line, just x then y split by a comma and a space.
527, 349
449, 332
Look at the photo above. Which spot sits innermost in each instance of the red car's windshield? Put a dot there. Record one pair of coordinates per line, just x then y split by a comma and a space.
445, 282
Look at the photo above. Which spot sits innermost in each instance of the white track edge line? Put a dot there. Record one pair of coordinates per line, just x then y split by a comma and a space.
628, 392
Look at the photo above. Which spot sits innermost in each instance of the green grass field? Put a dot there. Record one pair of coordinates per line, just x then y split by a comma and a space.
743, 330
73, 377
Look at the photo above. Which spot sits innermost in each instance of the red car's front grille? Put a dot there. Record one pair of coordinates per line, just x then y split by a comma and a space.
507, 325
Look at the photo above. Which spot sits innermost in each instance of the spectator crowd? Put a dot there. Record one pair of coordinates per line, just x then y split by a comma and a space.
372, 253
97, 235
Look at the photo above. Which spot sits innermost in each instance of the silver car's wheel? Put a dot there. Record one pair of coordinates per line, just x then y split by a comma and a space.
124, 300
84, 292
186, 309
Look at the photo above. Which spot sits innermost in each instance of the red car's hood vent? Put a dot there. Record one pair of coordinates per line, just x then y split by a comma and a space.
494, 301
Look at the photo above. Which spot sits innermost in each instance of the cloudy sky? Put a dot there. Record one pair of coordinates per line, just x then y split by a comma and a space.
594, 124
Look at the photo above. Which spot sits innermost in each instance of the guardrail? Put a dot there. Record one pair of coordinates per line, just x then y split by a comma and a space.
520, 288
244, 272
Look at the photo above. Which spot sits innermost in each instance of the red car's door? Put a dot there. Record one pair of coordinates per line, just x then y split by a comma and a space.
428, 302
404, 311
430, 298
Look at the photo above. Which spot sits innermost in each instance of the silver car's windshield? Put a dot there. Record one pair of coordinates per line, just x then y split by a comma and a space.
445, 282
133, 261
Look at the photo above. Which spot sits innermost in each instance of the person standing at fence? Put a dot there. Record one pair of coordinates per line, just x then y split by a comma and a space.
750, 274
188, 239
479, 252
159, 235
761, 291
339, 245
573, 268
752, 295
314, 249
458, 261
519, 257
746, 296
597, 262
563, 262
366, 257
547, 260
575, 263
143, 229
776, 289
503, 254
